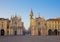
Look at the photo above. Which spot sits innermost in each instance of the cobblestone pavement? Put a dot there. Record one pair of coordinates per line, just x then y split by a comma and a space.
29, 38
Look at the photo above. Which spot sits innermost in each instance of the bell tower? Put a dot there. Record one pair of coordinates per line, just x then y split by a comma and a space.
31, 14
31, 17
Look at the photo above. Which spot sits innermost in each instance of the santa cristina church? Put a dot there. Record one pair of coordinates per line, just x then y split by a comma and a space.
38, 26
14, 26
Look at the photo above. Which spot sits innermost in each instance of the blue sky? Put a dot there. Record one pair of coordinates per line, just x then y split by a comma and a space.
46, 8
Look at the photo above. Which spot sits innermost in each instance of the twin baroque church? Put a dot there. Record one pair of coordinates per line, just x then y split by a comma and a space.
38, 26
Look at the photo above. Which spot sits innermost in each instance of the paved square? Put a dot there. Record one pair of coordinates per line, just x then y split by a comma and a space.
29, 38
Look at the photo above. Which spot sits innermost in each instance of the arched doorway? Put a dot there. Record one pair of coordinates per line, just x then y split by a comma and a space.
55, 32
49, 32
2, 32
39, 33
15, 32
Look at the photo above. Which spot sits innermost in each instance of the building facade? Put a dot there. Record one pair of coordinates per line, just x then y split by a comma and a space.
37, 25
4, 26
53, 26
16, 26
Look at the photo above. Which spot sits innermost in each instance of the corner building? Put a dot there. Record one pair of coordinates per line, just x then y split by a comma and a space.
53, 26
4, 26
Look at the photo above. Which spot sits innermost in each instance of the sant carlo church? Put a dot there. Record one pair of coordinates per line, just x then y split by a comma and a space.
38, 26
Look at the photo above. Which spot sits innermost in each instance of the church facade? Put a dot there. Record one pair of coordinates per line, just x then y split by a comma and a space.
16, 26
37, 25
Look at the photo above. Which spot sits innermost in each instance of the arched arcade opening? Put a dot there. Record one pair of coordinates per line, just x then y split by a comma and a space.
49, 32
2, 32
55, 32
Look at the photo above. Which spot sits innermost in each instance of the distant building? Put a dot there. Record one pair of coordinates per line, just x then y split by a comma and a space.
4, 26
37, 25
16, 26
53, 26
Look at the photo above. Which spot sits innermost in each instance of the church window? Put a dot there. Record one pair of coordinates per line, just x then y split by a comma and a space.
14, 22
38, 23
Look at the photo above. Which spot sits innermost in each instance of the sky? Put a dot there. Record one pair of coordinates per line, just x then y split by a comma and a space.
21, 8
